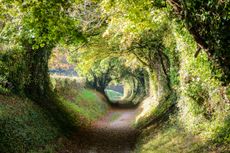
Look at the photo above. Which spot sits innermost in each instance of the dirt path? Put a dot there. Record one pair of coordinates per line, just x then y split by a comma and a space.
111, 134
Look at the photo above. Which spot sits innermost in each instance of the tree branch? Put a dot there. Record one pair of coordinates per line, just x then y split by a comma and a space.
198, 51
164, 68
139, 58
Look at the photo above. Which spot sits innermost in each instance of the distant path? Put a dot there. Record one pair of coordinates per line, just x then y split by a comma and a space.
113, 133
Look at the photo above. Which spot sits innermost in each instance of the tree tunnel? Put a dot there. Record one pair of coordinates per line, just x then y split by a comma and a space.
134, 89
101, 44
155, 56
131, 85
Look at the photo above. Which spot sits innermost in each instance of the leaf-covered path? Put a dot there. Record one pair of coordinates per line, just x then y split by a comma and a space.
113, 133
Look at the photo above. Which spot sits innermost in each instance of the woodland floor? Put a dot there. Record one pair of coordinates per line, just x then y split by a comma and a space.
113, 133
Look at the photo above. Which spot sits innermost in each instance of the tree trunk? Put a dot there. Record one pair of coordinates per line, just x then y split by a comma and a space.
37, 63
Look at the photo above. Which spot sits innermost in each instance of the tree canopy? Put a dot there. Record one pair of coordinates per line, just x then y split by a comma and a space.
169, 54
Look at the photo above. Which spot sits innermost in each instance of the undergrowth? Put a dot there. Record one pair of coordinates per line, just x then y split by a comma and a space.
171, 137
202, 122
25, 127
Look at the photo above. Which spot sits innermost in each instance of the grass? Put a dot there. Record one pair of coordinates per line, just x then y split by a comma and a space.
184, 131
84, 105
113, 95
167, 139
87, 104
25, 127
172, 137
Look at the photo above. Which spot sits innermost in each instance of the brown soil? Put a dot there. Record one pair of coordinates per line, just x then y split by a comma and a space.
111, 134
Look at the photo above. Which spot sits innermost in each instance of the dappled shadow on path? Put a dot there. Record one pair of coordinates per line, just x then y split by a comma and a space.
113, 133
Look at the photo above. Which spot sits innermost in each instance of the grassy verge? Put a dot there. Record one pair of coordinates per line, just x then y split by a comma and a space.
172, 138
185, 131
25, 127
85, 105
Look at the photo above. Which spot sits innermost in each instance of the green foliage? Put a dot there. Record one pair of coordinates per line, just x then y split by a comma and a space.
81, 105
13, 69
196, 91
202, 107
207, 22
159, 109
103, 72
3, 89
147, 37
171, 137
222, 135
168, 140
43, 23
109, 68
24, 126
91, 104
34, 28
